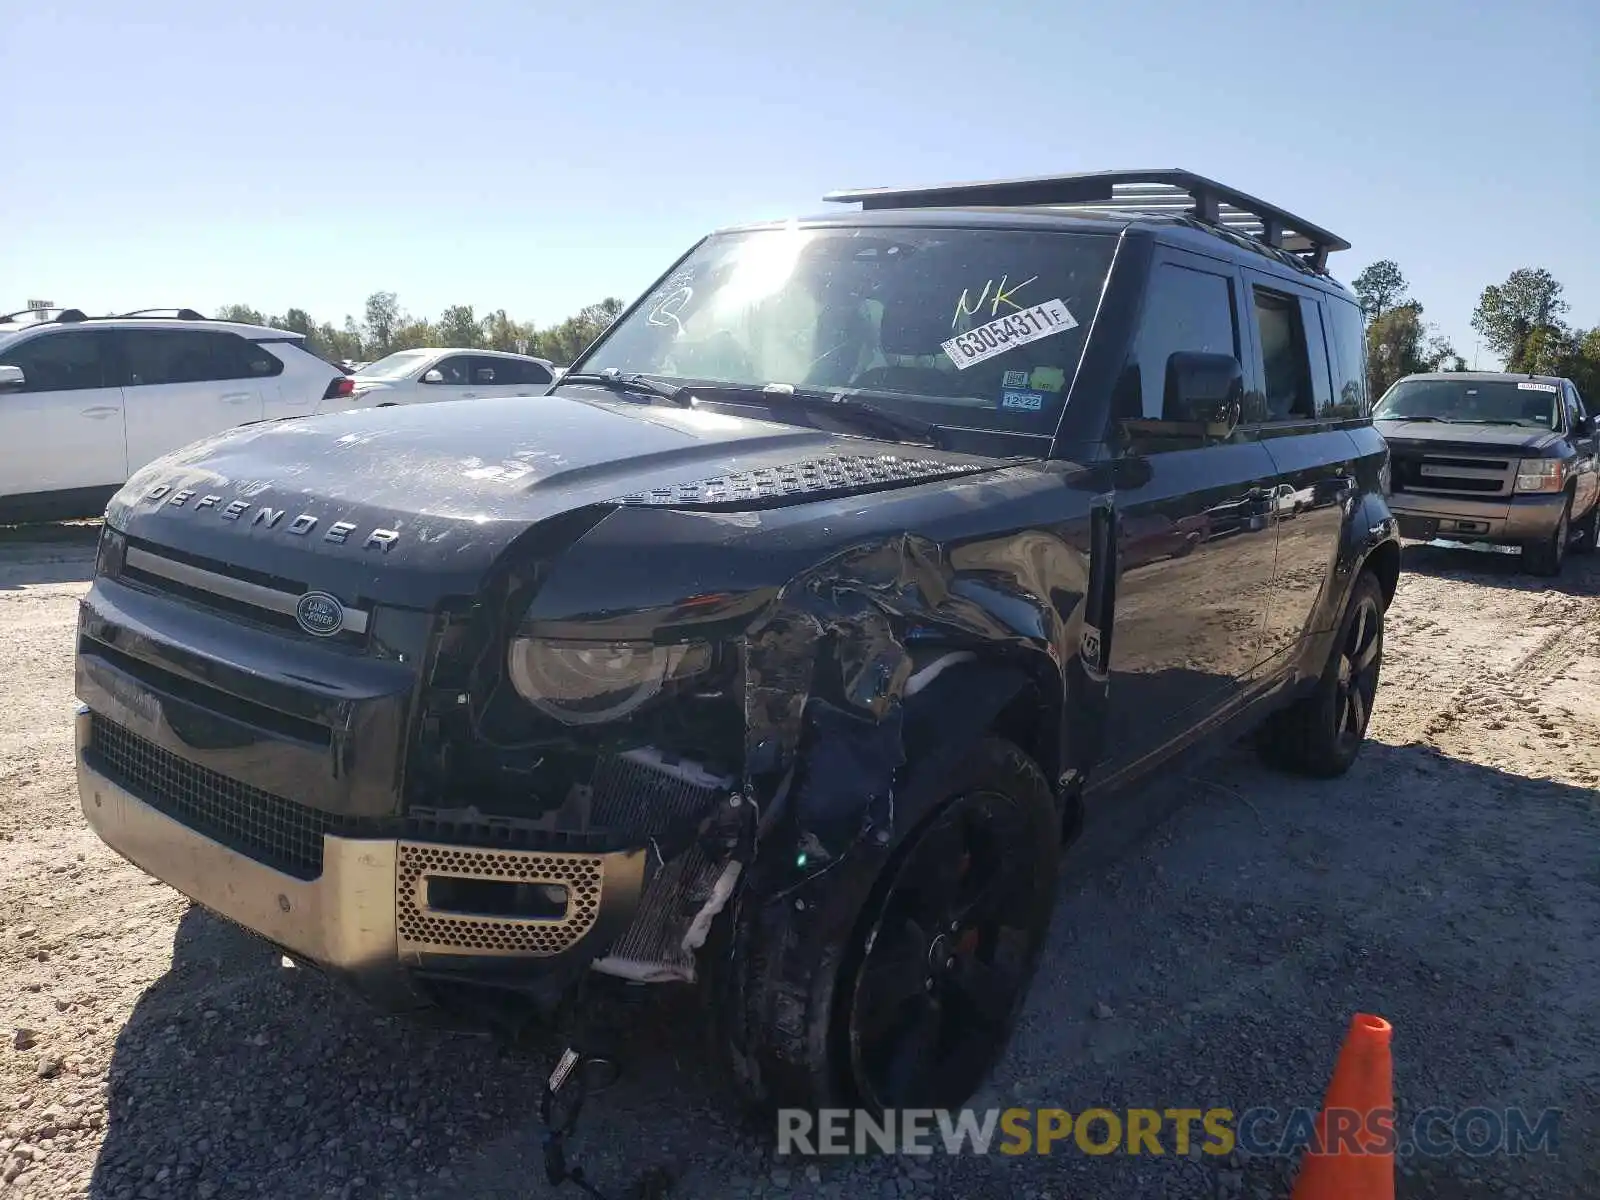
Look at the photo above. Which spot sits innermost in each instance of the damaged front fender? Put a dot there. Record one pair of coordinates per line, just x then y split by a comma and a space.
845, 617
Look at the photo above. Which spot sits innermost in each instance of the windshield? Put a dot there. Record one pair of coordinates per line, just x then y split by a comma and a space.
1473, 401
965, 326
401, 362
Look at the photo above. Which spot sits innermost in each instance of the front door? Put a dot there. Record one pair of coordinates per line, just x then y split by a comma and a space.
62, 430
1196, 538
455, 380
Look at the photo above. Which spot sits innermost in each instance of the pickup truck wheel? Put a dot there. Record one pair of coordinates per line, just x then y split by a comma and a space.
1546, 558
915, 1003
1587, 530
1321, 734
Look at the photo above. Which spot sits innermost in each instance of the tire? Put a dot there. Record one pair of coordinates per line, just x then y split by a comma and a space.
1588, 530
1547, 557
1321, 734
910, 1006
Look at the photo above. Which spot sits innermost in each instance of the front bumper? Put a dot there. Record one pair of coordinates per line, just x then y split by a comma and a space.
1517, 519
366, 916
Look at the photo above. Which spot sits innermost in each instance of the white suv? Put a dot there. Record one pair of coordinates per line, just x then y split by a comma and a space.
87, 401
439, 373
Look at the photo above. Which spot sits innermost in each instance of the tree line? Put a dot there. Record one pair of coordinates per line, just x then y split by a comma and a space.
1520, 320
386, 327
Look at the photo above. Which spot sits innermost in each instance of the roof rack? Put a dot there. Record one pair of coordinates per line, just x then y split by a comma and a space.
1159, 192
182, 314
62, 314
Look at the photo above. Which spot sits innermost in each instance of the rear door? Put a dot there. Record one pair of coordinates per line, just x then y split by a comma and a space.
1290, 406
1196, 536
186, 384
62, 431
294, 381
493, 376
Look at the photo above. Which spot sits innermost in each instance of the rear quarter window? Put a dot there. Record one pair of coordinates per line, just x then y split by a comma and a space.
1349, 359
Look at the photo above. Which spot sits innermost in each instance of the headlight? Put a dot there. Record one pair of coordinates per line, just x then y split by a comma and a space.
1540, 475
586, 683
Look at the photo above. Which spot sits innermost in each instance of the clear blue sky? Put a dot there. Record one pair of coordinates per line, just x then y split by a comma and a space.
538, 157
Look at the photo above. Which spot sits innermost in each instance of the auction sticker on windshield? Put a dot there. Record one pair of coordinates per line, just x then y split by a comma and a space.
1018, 329
1536, 387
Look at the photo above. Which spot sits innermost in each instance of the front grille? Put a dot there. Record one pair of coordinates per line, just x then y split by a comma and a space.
268, 601
274, 831
1453, 475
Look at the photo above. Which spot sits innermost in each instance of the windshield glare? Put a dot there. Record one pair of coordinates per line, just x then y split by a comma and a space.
1473, 401
401, 362
966, 326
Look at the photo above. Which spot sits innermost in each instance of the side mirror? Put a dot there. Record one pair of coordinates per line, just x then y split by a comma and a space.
1204, 389
433, 376
11, 378
1582, 427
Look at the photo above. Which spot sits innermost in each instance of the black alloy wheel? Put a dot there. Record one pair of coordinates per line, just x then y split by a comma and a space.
948, 954
1360, 656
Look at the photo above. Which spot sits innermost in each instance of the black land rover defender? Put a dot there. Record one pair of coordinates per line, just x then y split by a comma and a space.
1493, 458
780, 648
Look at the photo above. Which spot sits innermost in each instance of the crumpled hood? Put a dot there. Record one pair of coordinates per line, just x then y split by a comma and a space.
416, 502
1435, 436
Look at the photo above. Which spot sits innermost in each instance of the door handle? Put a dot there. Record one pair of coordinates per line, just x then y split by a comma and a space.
469, 395
236, 398
101, 411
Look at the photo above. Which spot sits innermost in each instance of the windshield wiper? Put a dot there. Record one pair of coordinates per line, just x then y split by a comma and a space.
848, 408
1389, 417
614, 380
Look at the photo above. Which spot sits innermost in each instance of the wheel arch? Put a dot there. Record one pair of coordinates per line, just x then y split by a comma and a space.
978, 697
1383, 560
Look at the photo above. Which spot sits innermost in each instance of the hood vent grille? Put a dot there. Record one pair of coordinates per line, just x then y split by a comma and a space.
811, 479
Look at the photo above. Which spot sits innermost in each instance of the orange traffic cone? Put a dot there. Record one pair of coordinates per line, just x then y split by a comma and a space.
1353, 1157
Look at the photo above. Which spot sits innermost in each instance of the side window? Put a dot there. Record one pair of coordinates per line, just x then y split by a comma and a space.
234, 357
60, 362
1574, 412
1577, 399
456, 370
157, 356
1287, 368
1185, 309
1317, 350
492, 372
533, 373
1349, 359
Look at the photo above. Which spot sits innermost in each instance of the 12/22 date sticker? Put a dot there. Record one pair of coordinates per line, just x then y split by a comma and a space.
1018, 329
1021, 400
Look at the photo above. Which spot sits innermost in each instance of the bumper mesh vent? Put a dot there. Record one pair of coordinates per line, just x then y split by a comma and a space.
425, 931
277, 832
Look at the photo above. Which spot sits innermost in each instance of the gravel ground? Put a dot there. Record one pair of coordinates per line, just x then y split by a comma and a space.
1214, 936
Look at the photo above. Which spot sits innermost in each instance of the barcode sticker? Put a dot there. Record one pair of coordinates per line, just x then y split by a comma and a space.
1018, 329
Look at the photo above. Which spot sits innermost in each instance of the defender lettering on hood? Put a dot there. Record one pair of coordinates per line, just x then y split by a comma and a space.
302, 526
